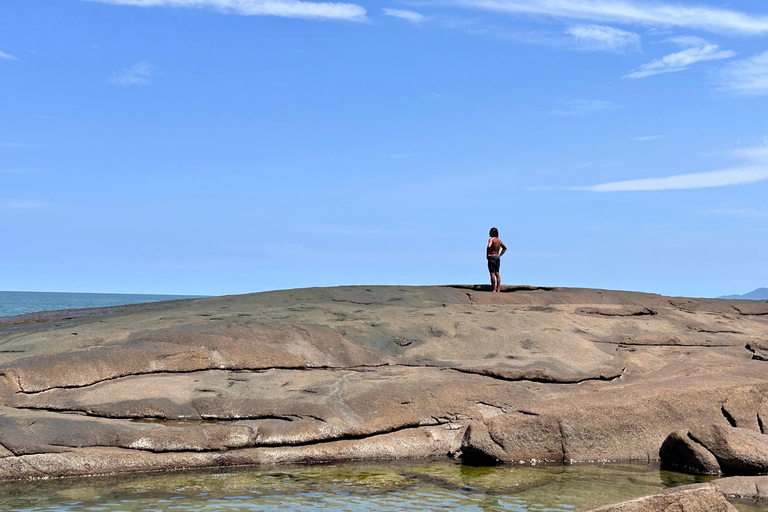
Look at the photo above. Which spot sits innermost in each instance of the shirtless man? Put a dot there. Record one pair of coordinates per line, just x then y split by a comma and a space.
494, 258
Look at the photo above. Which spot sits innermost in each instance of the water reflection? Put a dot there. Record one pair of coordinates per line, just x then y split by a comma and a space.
395, 486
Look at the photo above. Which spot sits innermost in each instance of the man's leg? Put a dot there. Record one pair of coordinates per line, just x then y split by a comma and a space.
498, 282
493, 282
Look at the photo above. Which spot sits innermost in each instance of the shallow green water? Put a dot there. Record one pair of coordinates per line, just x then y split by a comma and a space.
398, 486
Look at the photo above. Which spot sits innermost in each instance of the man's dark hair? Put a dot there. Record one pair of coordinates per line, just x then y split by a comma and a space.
494, 232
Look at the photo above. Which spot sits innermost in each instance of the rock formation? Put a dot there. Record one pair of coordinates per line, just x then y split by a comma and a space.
716, 449
345, 373
689, 498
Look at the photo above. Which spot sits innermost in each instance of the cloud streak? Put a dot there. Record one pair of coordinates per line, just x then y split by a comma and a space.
602, 38
20, 205
412, 16
747, 77
755, 169
139, 74
283, 8
7, 56
629, 12
701, 51
585, 107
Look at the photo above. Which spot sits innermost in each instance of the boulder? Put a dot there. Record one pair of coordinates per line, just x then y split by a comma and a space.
739, 451
679, 451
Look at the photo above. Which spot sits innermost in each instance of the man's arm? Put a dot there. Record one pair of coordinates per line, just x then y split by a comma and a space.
503, 248
488, 249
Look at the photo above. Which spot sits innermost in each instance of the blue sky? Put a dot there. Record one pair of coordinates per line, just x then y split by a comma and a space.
230, 146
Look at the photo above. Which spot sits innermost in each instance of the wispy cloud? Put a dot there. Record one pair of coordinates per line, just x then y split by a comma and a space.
18, 170
748, 76
584, 107
7, 56
20, 205
139, 74
602, 38
696, 50
17, 145
754, 169
630, 12
412, 16
335, 229
284, 8
647, 137
752, 213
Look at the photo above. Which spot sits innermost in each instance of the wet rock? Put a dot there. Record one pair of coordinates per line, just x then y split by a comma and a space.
749, 487
689, 498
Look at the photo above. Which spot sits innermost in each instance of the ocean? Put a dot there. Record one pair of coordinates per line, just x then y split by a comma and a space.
18, 303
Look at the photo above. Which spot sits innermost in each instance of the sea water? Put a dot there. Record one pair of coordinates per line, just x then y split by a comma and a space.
381, 487
18, 303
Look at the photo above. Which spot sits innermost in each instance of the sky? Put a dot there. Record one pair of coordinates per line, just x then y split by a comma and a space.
232, 146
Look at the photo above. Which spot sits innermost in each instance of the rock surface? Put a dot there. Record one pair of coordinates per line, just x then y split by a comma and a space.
716, 449
328, 374
751, 487
690, 498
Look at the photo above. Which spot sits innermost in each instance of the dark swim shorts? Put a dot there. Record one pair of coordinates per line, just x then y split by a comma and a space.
494, 262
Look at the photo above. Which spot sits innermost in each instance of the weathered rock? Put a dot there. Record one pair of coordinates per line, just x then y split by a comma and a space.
372, 372
689, 498
750, 487
679, 451
514, 438
738, 451
743, 406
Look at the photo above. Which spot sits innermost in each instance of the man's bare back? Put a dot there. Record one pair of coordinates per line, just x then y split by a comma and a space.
493, 253
494, 244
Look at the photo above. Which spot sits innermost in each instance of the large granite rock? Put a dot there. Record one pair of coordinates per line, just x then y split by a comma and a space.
690, 498
373, 372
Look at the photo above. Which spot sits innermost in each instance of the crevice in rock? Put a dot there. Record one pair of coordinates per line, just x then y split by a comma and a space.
681, 308
747, 313
617, 312
707, 331
635, 343
760, 425
693, 438
359, 368
201, 419
562, 440
728, 417
755, 354
541, 380
358, 302
200, 370
316, 442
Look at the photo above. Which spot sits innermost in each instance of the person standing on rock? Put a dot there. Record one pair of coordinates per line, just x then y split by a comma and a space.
493, 255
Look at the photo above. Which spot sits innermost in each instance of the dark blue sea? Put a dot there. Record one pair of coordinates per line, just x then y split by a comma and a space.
18, 303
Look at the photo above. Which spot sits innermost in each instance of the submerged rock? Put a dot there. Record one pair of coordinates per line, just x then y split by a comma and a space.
690, 498
331, 374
